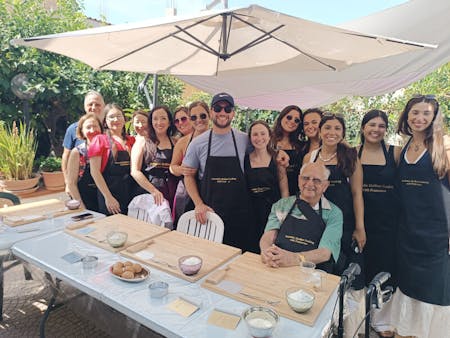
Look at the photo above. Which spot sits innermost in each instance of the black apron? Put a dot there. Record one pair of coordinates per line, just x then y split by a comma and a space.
381, 211
86, 185
292, 171
264, 191
423, 251
159, 175
224, 189
299, 235
339, 192
118, 179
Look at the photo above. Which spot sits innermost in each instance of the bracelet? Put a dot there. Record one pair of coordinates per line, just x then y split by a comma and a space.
301, 258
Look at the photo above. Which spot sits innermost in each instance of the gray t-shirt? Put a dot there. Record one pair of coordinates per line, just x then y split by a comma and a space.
221, 146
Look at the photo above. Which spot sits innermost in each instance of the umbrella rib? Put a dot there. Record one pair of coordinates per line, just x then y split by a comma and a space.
163, 38
266, 36
205, 46
286, 43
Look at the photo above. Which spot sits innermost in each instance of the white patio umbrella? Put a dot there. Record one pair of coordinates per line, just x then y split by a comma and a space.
214, 42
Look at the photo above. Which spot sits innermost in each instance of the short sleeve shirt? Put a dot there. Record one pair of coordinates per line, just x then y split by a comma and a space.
331, 215
221, 145
70, 138
100, 146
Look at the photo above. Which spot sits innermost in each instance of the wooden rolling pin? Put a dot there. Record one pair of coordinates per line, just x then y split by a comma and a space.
139, 246
217, 276
79, 225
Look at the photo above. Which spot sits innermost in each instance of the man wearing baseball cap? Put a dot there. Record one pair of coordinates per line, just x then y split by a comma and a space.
218, 156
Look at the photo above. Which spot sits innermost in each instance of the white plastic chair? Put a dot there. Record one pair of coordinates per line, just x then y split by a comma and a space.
212, 230
143, 207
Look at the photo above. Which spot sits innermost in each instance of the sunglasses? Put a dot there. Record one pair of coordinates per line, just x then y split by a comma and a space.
202, 116
180, 120
328, 114
218, 109
296, 120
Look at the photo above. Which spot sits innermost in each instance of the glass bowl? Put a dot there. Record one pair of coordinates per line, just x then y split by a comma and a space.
261, 321
116, 238
89, 262
300, 299
158, 289
190, 265
73, 204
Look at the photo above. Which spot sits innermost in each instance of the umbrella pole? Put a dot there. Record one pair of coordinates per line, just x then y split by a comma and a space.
155, 90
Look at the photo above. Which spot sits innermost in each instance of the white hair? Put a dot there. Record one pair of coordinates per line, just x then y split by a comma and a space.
325, 170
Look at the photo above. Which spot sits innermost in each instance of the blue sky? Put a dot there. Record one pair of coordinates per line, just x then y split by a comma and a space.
330, 12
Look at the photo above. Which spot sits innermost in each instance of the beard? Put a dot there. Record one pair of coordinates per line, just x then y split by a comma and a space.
222, 126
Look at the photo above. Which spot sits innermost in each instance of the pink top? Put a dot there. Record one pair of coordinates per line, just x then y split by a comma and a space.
99, 146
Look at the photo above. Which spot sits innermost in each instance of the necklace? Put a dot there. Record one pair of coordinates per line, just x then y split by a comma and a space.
327, 159
416, 146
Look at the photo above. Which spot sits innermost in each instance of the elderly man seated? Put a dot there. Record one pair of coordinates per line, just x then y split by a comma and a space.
308, 227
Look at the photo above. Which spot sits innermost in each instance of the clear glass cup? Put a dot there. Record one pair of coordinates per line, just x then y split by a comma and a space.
307, 268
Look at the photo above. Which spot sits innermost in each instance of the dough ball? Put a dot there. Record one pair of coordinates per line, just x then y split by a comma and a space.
137, 267
128, 275
129, 268
127, 263
117, 270
118, 265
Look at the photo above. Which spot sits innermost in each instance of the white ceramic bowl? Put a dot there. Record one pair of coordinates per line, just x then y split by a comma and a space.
261, 321
300, 299
116, 238
190, 265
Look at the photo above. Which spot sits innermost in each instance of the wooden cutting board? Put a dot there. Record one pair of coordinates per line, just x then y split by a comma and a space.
95, 232
168, 248
34, 212
257, 279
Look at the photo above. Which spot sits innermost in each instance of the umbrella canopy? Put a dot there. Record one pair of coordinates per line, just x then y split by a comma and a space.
273, 87
253, 39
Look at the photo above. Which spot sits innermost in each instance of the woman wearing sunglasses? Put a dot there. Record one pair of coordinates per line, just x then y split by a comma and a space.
150, 158
287, 132
421, 305
345, 190
199, 116
381, 207
109, 156
311, 121
182, 121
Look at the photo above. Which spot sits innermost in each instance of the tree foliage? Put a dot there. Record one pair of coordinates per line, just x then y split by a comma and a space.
61, 82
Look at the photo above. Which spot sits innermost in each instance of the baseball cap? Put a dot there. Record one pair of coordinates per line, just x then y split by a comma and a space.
222, 97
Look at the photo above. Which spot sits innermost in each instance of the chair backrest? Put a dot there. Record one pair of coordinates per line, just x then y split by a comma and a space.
212, 230
8, 199
143, 207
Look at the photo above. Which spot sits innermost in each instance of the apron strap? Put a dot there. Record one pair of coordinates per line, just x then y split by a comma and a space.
309, 212
234, 143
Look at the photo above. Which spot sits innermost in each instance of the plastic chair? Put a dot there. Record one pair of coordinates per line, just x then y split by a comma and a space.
8, 199
212, 230
143, 207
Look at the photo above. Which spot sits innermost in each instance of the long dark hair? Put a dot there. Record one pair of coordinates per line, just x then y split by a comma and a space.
346, 156
434, 134
294, 137
270, 147
151, 130
108, 107
371, 114
307, 144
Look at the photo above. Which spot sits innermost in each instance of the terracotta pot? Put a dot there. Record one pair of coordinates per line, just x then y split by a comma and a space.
53, 180
21, 187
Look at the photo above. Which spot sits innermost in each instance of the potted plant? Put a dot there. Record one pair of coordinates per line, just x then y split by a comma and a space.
17, 151
50, 168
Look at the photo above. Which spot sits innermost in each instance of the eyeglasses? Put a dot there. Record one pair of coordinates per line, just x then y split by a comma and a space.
180, 120
202, 116
114, 117
296, 120
329, 114
218, 109
316, 181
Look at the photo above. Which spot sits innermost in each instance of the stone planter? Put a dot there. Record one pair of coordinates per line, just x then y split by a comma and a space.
21, 187
53, 180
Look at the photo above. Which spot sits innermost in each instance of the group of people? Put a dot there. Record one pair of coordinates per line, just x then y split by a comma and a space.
294, 192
